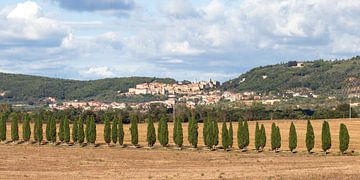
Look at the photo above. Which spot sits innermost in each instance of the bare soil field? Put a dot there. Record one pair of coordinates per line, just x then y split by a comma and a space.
32, 161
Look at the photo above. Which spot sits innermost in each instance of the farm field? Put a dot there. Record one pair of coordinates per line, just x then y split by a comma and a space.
49, 161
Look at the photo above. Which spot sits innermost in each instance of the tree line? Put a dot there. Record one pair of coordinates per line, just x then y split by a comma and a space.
114, 133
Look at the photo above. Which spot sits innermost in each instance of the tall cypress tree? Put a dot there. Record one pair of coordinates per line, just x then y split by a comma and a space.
262, 137
257, 137
246, 134
107, 131
26, 128
278, 137
2, 127
344, 138
163, 131
206, 130
216, 133
292, 137
193, 132
231, 134
274, 139
114, 130
39, 129
310, 137
92, 131
121, 131
87, 130
81, 133
53, 130
225, 137
66, 131
61, 130
150, 134
210, 134
47, 130
134, 129
36, 126
14, 127
74, 132
241, 135
326, 137
178, 133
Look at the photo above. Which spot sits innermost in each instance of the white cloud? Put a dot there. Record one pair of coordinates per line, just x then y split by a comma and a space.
178, 9
180, 48
101, 72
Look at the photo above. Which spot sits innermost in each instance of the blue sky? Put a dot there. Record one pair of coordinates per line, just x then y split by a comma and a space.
182, 39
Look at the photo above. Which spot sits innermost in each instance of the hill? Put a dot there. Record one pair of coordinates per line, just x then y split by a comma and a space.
28, 88
322, 77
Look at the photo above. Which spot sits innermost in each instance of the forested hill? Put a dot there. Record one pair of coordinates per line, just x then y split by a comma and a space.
323, 77
20, 87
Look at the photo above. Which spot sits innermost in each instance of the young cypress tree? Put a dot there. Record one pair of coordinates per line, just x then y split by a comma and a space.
240, 135
206, 130
178, 133
216, 133
87, 130
74, 132
47, 130
121, 132
36, 126
211, 137
326, 137
2, 127
278, 137
292, 137
114, 130
262, 137
193, 132
61, 130
66, 131
150, 134
310, 137
14, 127
246, 134
53, 130
134, 129
92, 131
81, 133
231, 134
225, 138
107, 131
163, 131
274, 139
26, 128
257, 137
39, 134
344, 138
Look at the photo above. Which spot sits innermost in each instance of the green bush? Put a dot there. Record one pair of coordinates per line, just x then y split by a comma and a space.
107, 131
150, 134
292, 137
241, 135
114, 130
310, 137
163, 131
74, 132
225, 137
325, 137
92, 131
193, 132
257, 137
134, 129
66, 131
121, 132
274, 139
262, 137
14, 127
344, 138
81, 133
61, 130
2, 127
52, 130
246, 134
231, 134
26, 128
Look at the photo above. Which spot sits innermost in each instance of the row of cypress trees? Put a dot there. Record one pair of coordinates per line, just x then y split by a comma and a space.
115, 133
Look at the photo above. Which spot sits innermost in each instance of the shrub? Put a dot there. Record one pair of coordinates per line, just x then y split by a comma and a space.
39, 131
326, 137
134, 129
107, 131
66, 131
178, 133
121, 132
47, 130
310, 137
36, 126
14, 127
81, 133
61, 130
150, 135
92, 131
262, 137
292, 137
87, 129
193, 132
246, 134
2, 127
210, 134
278, 135
257, 137
26, 128
241, 135
114, 130
225, 137
344, 138
231, 134
163, 131
52, 130
74, 131
216, 133
274, 138
206, 130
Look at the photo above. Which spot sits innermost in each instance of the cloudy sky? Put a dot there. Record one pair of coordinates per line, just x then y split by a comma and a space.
183, 39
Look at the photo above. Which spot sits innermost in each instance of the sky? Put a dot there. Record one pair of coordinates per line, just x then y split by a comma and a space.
181, 39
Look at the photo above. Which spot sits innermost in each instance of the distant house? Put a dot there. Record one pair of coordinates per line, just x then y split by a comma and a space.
295, 64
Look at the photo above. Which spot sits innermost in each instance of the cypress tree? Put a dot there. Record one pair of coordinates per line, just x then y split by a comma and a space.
193, 132
47, 130
206, 129
36, 126
216, 133
310, 137
344, 138
292, 137
262, 137
52, 130
114, 130
121, 132
257, 137
26, 128
246, 134
278, 137
274, 138
87, 129
2, 127
150, 134
211, 137
66, 131
178, 133
14, 127
74, 132
134, 129
92, 131
107, 131
225, 137
241, 135
231, 134
163, 131
39, 129
326, 137
81, 133
61, 130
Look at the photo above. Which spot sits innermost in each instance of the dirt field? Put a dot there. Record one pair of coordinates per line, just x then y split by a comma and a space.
103, 162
